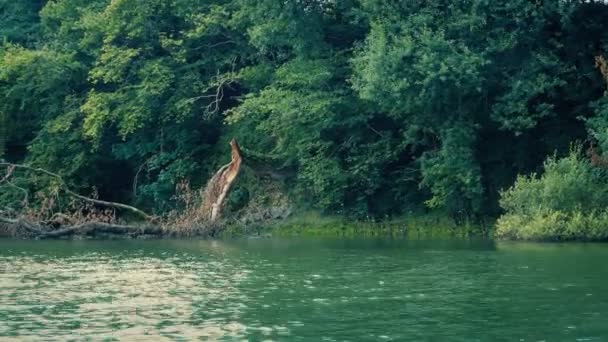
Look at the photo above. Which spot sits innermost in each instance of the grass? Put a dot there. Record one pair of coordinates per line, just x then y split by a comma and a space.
312, 224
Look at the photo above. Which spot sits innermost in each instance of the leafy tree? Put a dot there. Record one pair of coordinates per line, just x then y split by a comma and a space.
19, 22
365, 107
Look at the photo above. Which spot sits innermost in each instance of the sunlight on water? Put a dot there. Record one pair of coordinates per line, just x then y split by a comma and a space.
121, 298
302, 290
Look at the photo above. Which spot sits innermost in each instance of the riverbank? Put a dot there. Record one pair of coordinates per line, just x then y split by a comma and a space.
418, 226
309, 224
313, 224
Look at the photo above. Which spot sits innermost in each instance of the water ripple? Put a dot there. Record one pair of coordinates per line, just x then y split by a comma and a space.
301, 291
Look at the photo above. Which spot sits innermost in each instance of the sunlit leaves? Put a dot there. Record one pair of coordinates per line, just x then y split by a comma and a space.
32, 85
112, 64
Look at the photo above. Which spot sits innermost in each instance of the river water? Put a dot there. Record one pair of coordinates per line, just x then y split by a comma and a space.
302, 290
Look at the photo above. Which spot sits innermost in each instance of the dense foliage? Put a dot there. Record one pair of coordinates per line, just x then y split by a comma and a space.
378, 107
568, 201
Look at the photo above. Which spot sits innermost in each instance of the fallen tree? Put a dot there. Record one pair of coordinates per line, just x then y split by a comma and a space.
95, 228
12, 167
61, 225
25, 228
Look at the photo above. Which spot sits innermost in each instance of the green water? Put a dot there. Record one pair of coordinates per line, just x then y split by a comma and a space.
303, 290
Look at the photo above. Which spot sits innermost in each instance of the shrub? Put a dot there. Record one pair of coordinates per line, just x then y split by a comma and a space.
567, 202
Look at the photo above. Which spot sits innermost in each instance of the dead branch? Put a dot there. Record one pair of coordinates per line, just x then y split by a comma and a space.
595, 158
217, 90
26, 196
91, 228
139, 170
374, 130
41, 231
9, 173
59, 219
80, 197
7, 220
23, 224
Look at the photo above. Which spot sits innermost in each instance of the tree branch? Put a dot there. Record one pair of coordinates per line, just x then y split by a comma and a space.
9, 173
8, 220
24, 224
80, 197
99, 227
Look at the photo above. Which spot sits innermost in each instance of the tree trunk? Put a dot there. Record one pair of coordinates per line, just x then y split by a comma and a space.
219, 185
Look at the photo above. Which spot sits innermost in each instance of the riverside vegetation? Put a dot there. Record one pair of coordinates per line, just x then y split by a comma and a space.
359, 109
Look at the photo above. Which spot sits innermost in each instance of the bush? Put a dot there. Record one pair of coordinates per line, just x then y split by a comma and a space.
568, 202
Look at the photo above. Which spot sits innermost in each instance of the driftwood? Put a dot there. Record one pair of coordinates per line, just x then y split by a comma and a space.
219, 185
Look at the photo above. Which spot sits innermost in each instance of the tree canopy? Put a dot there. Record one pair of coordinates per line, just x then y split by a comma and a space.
380, 107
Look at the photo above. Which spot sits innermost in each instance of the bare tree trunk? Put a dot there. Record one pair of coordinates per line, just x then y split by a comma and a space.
219, 185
